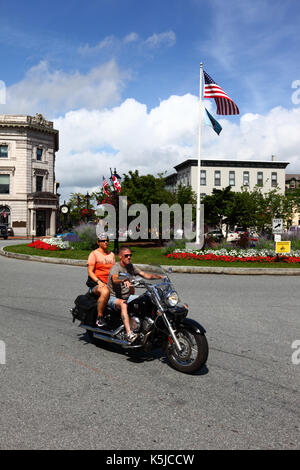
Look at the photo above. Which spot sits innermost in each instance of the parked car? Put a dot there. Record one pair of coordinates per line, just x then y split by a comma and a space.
240, 231
216, 234
3, 231
232, 236
294, 229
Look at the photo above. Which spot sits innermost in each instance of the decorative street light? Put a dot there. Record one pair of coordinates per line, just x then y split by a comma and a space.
115, 180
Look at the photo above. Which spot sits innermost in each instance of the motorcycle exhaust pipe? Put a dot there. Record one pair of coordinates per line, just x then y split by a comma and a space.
110, 339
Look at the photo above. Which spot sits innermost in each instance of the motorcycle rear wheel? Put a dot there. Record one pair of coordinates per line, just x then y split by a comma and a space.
194, 351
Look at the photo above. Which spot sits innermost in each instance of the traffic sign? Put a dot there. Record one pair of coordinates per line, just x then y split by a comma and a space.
283, 247
277, 226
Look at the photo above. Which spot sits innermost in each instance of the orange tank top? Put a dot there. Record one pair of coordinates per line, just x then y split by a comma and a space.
101, 263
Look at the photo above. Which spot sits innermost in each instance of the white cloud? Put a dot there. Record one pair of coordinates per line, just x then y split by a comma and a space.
164, 39
130, 137
53, 91
167, 38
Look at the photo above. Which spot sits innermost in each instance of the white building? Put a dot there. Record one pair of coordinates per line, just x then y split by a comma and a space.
28, 198
238, 174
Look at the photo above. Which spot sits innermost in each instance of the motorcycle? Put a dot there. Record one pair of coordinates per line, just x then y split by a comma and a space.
159, 318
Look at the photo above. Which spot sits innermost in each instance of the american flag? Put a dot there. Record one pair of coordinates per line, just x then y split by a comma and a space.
225, 105
105, 187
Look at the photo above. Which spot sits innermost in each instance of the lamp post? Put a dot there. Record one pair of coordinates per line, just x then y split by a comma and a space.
87, 198
116, 205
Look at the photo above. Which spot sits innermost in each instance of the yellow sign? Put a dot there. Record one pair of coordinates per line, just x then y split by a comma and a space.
283, 247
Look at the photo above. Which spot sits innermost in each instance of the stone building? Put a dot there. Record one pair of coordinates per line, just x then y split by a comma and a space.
28, 192
217, 173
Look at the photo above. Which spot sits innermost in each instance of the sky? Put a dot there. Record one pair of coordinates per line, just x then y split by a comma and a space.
120, 81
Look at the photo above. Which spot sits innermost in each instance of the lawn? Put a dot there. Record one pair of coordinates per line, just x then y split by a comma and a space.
145, 255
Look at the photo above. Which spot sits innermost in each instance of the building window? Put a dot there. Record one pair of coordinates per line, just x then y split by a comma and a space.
4, 184
39, 183
232, 178
202, 195
217, 178
274, 179
3, 151
203, 177
260, 178
246, 178
39, 153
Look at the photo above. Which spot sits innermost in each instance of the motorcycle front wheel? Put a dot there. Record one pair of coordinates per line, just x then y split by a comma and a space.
194, 351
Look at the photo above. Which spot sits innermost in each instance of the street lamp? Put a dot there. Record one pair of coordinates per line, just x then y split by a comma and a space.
113, 178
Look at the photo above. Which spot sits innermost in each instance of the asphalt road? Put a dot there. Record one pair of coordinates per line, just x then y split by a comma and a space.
60, 391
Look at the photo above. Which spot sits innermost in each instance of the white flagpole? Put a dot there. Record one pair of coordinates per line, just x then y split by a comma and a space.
198, 215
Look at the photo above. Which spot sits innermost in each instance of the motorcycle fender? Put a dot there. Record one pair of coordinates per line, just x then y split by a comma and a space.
192, 325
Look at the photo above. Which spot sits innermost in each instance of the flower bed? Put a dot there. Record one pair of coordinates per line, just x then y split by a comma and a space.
43, 246
50, 244
245, 256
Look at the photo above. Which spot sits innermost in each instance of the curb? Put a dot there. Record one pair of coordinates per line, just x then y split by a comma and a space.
175, 269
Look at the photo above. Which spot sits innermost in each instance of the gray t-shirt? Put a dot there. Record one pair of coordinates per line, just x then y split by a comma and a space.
119, 290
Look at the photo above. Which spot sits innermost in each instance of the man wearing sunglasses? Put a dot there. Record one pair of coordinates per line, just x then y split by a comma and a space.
99, 264
121, 292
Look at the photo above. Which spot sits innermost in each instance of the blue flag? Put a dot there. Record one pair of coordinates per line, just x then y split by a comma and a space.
212, 121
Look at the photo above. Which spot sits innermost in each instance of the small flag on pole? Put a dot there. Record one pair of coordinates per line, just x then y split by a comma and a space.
213, 122
225, 105
117, 184
105, 187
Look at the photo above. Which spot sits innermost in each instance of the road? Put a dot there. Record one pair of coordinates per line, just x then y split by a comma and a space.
60, 391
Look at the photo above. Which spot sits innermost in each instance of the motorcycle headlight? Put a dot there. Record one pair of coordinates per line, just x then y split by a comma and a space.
172, 299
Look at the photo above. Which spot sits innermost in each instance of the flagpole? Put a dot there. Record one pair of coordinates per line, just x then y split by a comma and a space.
198, 214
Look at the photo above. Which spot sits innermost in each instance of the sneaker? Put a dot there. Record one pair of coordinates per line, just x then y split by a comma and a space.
100, 322
131, 337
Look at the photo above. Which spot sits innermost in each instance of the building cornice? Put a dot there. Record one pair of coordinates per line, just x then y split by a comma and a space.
232, 164
37, 122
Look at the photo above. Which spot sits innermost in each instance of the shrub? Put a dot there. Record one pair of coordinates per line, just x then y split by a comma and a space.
87, 238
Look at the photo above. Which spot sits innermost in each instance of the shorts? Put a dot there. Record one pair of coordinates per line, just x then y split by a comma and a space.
112, 300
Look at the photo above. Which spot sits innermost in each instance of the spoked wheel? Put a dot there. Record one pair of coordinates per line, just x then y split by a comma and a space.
194, 351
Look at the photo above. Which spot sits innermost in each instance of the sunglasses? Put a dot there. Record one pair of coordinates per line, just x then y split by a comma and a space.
128, 256
103, 241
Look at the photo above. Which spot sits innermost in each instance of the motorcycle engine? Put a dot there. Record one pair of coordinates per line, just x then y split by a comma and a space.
135, 324
147, 323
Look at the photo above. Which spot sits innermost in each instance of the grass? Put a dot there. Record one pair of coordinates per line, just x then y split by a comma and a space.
144, 255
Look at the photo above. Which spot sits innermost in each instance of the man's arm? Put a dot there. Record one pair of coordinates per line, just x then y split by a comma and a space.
150, 275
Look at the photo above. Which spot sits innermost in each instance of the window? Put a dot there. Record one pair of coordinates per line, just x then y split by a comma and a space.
39, 183
203, 177
217, 178
202, 195
39, 153
246, 178
4, 184
274, 179
260, 178
3, 151
232, 178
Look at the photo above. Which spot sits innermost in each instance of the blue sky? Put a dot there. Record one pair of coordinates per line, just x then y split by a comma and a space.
91, 57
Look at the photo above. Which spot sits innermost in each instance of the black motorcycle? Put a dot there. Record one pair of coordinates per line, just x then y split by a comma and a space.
159, 319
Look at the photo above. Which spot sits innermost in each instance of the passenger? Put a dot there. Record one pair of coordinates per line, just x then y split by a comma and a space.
99, 263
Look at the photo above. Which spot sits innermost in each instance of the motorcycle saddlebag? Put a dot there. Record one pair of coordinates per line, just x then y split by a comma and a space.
85, 308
